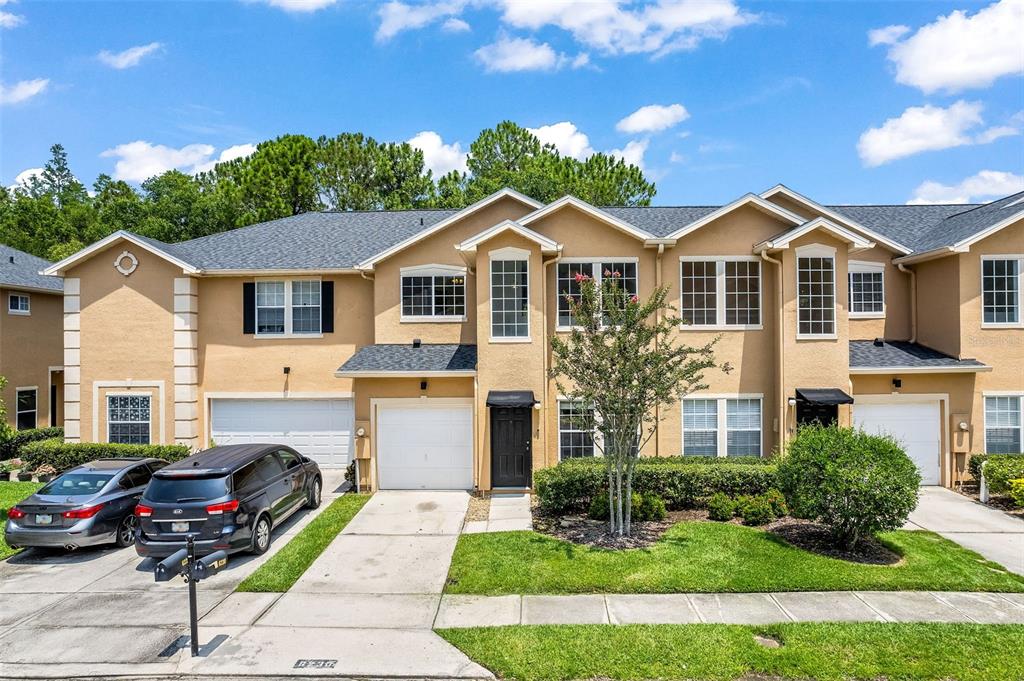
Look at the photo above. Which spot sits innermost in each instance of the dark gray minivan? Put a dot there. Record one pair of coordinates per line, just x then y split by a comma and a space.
229, 498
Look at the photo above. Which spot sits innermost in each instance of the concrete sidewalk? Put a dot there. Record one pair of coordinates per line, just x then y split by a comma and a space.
754, 608
992, 533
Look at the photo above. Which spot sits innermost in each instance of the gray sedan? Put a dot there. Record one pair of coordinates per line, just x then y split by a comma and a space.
85, 506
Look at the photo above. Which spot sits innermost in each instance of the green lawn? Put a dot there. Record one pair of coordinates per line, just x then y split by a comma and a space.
711, 557
287, 565
965, 652
10, 494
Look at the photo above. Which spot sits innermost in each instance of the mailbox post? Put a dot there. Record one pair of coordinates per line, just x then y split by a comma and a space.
184, 563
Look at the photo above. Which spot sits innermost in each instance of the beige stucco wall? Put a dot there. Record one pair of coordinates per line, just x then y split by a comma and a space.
896, 323
126, 336
938, 300
29, 346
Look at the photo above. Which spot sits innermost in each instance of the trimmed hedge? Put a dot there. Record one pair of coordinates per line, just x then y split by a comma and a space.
11, 446
571, 486
974, 464
1000, 471
64, 455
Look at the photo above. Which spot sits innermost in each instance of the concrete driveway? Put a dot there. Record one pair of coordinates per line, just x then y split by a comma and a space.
992, 533
94, 610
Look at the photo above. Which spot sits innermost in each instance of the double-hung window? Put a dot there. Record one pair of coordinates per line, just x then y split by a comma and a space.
26, 417
622, 270
816, 292
436, 293
19, 303
510, 304
722, 426
128, 418
1001, 292
575, 430
720, 292
867, 289
1004, 415
285, 308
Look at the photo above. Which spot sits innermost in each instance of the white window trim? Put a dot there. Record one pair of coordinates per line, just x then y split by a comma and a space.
722, 415
124, 393
1019, 324
871, 268
720, 261
505, 255
433, 270
984, 413
26, 388
598, 275
288, 333
20, 313
596, 435
817, 251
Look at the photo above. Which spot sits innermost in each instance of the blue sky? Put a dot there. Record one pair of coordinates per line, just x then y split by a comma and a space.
714, 98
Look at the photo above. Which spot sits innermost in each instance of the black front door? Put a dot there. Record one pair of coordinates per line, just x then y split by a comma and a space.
812, 412
511, 446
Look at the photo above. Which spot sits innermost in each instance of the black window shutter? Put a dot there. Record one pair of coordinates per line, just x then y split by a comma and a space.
249, 307
327, 306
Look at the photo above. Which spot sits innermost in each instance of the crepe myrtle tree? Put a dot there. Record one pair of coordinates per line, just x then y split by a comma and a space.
623, 360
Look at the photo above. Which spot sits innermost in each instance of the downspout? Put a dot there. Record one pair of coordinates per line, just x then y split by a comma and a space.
780, 352
362, 273
913, 300
658, 278
544, 363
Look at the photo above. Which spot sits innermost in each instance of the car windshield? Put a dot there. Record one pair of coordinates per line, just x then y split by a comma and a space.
76, 484
182, 490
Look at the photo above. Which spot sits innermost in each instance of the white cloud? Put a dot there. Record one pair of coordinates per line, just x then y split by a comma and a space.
517, 54
676, 157
987, 184
996, 132
632, 153
919, 128
887, 35
439, 157
454, 25
396, 17
127, 58
22, 90
25, 176
140, 160
653, 118
300, 5
566, 138
10, 20
960, 51
229, 154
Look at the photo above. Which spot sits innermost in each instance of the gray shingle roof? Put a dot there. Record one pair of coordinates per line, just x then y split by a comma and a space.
659, 220
21, 270
966, 224
902, 224
406, 358
864, 354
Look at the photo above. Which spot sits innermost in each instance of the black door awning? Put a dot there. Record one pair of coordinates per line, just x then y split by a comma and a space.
510, 398
823, 396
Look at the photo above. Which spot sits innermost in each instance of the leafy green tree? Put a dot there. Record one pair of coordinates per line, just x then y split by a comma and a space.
627, 361
355, 172
58, 181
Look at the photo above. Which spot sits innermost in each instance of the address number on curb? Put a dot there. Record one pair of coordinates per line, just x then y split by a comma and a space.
315, 664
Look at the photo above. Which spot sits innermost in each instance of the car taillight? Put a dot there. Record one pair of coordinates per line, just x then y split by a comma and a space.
82, 513
217, 509
16, 513
143, 511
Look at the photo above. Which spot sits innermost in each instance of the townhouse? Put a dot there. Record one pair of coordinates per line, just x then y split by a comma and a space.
416, 342
31, 351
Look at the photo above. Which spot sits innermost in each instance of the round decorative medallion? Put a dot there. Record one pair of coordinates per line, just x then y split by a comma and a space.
126, 263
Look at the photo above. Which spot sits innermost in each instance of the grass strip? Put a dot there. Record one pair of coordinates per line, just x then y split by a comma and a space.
720, 652
10, 494
286, 566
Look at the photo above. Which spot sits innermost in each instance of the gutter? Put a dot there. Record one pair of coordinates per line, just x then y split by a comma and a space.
780, 351
545, 359
971, 369
659, 277
458, 373
913, 299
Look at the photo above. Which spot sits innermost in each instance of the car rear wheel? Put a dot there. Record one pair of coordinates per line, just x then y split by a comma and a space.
126, 531
261, 536
315, 494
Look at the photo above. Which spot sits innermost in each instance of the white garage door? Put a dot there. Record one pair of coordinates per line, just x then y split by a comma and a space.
916, 425
421, 445
320, 429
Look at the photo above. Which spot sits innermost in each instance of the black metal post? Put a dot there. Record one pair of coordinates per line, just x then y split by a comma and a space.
193, 614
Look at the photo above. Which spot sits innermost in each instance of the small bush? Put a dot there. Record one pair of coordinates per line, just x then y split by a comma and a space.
777, 501
854, 483
755, 510
10, 447
721, 507
1000, 471
653, 507
645, 507
974, 463
599, 507
64, 455
1017, 492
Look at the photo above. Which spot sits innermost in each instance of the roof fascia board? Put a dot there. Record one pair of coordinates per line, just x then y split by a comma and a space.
932, 254
369, 263
32, 289
546, 245
405, 374
835, 217
857, 242
746, 199
590, 210
275, 272
58, 268
964, 244
921, 370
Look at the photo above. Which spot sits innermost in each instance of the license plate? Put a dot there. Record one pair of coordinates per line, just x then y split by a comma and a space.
44, 519
179, 527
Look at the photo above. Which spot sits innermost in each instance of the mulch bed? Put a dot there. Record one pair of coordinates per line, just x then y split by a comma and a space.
580, 529
1001, 503
815, 538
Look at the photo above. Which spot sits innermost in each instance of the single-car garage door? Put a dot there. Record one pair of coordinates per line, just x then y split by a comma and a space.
425, 444
320, 429
915, 424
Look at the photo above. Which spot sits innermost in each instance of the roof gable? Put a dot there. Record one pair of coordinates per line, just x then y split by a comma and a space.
158, 248
592, 211
752, 200
782, 241
546, 245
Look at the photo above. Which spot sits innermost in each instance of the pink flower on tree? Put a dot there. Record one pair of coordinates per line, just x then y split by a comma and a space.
616, 273
580, 277
634, 299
